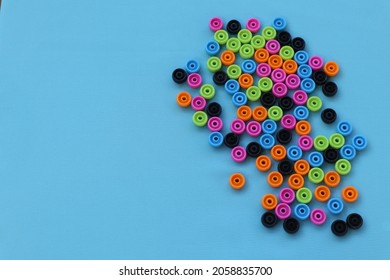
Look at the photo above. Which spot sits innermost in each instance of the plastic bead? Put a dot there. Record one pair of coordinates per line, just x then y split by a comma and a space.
192, 66
272, 46
212, 48
267, 141
258, 42
269, 202
285, 167
246, 51
245, 80
261, 56
199, 118
304, 195
183, 99
286, 103
207, 91
248, 66
319, 77
283, 211
302, 211
350, 194
279, 90
265, 84
316, 62
260, 113
301, 167
317, 216
331, 68
359, 142
179, 75
237, 126
194, 80
239, 99
253, 149
332, 179
288, 121
275, 61
244, 113
269, 126
214, 109
321, 143
299, 97
233, 44
293, 81
267, 99
284, 136
305, 142
228, 58
298, 44
233, 71
198, 103
329, 89
335, 206
214, 64
354, 221
263, 70
215, 124
339, 228
278, 75
215, 24
245, 36
275, 113
237, 181
315, 159
348, 152
303, 128
263, 163
331, 155
232, 86
301, 113
336, 140
221, 37
284, 38
286, 52
275, 179
253, 128
316, 175
328, 116
314, 103
231, 140
294, 153
278, 152
238, 154
279, 24
216, 139
304, 71
344, 128
308, 85
220, 78
269, 219
287, 195
322, 193
291, 225
290, 66
253, 93
296, 181
343, 166
301, 57
269, 33
233, 26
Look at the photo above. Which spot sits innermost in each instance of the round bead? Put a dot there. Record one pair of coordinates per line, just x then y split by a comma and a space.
331, 155
290, 66
215, 139
260, 113
316, 175
359, 142
232, 86
301, 167
354, 221
233, 71
215, 24
296, 181
344, 128
303, 128
293, 81
286, 52
261, 56
269, 126
348, 152
263, 163
269, 219
284, 136
214, 109
194, 80
332, 179
284, 38
339, 228
286, 103
278, 75
304, 195
258, 42
253, 149
343, 166
301, 113
305, 142
298, 44
269, 33
301, 57
253, 25
315, 159
279, 89
246, 51
179, 75
267, 141
265, 84
233, 44
238, 154
328, 116
220, 78
299, 97
291, 225
237, 181
233, 26
228, 58
350, 194
245, 36
263, 70
275, 61
317, 216
294, 153
304, 71
221, 37
275, 179
248, 66
279, 24
336, 140
192, 66
183, 99
288, 121
231, 140
199, 118
319, 77
331, 68
283, 211
212, 48
329, 89
278, 152
285, 167
275, 113
215, 124
335, 206
321, 143
239, 99
214, 64
272, 46
198, 103
269, 201
253, 93
308, 85
207, 91
322, 193
302, 211
237, 126
316, 62
253, 128
287, 195
314, 103
244, 113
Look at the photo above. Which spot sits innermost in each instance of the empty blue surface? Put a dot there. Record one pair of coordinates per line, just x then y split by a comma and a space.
97, 161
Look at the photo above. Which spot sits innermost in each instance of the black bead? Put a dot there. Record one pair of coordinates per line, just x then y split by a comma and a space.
298, 44
331, 155
329, 89
284, 38
269, 219
339, 228
328, 115
214, 109
354, 221
284, 136
179, 75
291, 225
286, 103
267, 99
220, 78
286, 167
319, 77
233, 26
253, 149
231, 140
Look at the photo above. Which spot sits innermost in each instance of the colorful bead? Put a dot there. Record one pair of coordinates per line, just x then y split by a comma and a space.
215, 124
246, 51
290, 66
200, 118
308, 85
194, 80
275, 113
192, 66
269, 126
332, 179
253, 128
272, 46
215, 139
288, 121
344, 128
296, 181
279, 90
221, 37
267, 141
179, 75
350, 194
317, 216
316, 175
315, 159
300, 97
248, 66
232, 86
305, 142
212, 48
258, 42
238, 154
261, 55
343, 166
207, 91
322, 193
314, 103
283, 211
260, 113
253, 25
286, 52
336, 140
315, 62
198, 103
294, 153
233, 44
301, 167
293, 81
301, 57
228, 58
253, 93
215, 24
239, 99
183, 99
335, 206
263, 163
237, 126
237, 181
278, 75
278, 152
244, 113
331, 68
302, 211
348, 152
275, 179
214, 64
269, 201
269, 33
245, 80
263, 70
304, 71
233, 71
303, 128
279, 24
265, 84
359, 142
301, 113
321, 143
245, 36
275, 61
339, 228
287, 195
304, 195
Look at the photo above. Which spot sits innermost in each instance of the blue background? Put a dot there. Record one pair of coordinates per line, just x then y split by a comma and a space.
97, 161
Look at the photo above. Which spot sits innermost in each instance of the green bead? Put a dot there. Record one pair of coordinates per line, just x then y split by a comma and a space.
214, 64
200, 118
221, 37
314, 103
321, 143
275, 113
265, 84
258, 42
244, 35
253, 93
336, 141
269, 33
286, 52
343, 166
304, 195
233, 71
316, 175
207, 91
233, 44
246, 51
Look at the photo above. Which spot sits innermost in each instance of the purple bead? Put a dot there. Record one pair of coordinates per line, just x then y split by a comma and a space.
272, 46
279, 89
253, 128
194, 80
305, 142
316, 62
317, 216
215, 124
299, 97
237, 126
198, 103
283, 211
278, 75
288, 121
293, 81
287, 195
238, 154
263, 70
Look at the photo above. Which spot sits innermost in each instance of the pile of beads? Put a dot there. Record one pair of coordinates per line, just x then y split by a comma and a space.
271, 80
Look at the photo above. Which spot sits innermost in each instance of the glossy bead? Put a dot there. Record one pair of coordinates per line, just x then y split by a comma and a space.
286, 103
269, 201
284, 38
215, 139
315, 159
301, 167
278, 152
231, 140
267, 141
212, 48
233, 26
350, 194
199, 118
261, 55
233, 44
215, 24
233, 71
296, 181
260, 113
288, 121
294, 153
315, 62
275, 179
267, 99
283, 211
268, 33
248, 66
319, 77
331, 68
304, 195
354, 221
265, 84
329, 89
285, 167
214, 64
359, 142
344, 128
304, 71
184, 99
263, 70
258, 42
332, 179
247, 51
269, 126
245, 36
221, 36
301, 57
278, 75
308, 85
269, 219
214, 109
287, 195
215, 124
284, 136
305, 142
272, 46
298, 44
328, 116
335, 206
331, 155
279, 89
275, 61
238, 154
237, 181
299, 97
253, 93
302, 211
321, 143
322, 193
253, 149
244, 113
253, 128
239, 99
339, 228
348, 152
275, 113
194, 80
220, 78
303, 128
286, 52
192, 66
207, 91
232, 86
293, 81
263, 163
301, 113
228, 58
314, 103
179, 76
290, 66
237, 126
343, 166
317, 216
279, 24
336, 140
291, 225
198, 103
316, 175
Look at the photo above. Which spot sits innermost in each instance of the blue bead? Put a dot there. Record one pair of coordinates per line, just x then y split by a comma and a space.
248, 66
344, 128
212, 48
232, 86
348, 152
269, 126
359, 142
301, 57
239, 99
308, 85
267, 141
192, 66
335, 206
315, 159
279, 24
215, 139
302, 211
301, 113
304, 71
294, 153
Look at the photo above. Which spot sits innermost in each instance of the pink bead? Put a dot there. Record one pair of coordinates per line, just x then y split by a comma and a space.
279, 89
216, 24
237, 126
287, 195
253, 25
288, 121
198, 103
293, 81
253, 128
317, 216
272, 46
316, 62
299, 97
283, 211
238, 154
215, 124
278, 75
194, 80
305, 142
263, 70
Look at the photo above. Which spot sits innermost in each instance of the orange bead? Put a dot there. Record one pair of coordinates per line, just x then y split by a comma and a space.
244, 113
228, 58
260, 113
261, 56
275, 179
331, 68
322, 193
332, 179
269, 201
303, 127
275, 61
290, 66
301, 167
278, 152
349, 194
245, 80
183, 99
237, 181
296, 181
263, 163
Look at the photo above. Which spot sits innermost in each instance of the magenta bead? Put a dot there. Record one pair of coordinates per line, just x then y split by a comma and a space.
263, 70
293, 81
287, 195
305, 142
253, 128
316, 62
194, 80
238, 154
237, 126
216, 24
215, 124
288, 121
279, 89
253, 25
299, 97
278, 75
283, 211
198, 103
272, 46
317, 216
